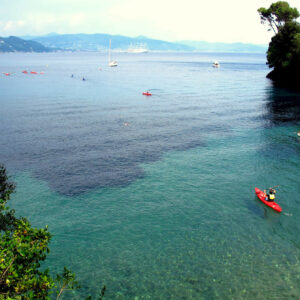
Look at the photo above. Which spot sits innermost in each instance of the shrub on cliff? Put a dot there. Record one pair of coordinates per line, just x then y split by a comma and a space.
22, 249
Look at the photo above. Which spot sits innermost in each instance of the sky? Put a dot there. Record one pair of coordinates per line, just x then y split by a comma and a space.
170, 20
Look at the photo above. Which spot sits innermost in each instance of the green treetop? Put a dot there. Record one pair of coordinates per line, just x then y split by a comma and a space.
284, 49
277, 15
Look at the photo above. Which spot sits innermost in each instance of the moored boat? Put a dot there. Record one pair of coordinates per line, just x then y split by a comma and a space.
111, 63
138, 48
216, 64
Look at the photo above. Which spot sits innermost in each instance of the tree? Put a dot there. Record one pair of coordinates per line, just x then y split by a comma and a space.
284, 48
7, 217
277, 15
283, 54
22, 249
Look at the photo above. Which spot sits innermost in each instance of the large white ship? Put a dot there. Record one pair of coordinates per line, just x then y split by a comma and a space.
137, 48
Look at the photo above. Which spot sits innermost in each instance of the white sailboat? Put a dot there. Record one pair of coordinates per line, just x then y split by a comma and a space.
111, 63
216, 64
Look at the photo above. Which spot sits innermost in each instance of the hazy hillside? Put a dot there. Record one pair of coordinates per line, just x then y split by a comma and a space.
225, 47
100, 42
15, 44
96, 42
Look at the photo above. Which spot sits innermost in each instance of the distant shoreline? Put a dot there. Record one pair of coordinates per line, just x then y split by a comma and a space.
131, 54
100, 42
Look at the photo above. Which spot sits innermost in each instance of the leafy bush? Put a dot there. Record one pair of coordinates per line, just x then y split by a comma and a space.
22, 249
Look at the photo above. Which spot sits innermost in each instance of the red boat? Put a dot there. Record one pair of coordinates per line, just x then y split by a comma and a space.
262, 197
33, 72
25, 72
147, 93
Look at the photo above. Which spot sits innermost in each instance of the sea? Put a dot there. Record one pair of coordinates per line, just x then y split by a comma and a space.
153, 196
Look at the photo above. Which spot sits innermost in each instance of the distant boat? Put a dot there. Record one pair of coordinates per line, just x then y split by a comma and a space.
216, 64
137, 48
111, 63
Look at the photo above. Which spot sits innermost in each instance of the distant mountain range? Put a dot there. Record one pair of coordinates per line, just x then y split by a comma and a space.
15, 44
226, 47
100, 42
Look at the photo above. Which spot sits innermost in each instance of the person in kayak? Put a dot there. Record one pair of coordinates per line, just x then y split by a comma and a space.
271, 196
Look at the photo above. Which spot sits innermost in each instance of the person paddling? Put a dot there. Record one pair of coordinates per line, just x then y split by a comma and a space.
271, 196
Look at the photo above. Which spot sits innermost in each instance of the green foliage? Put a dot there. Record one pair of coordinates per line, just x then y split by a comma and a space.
66, 281
21, 252
22, 249
284, 49
6, 187
278, 14
7, 216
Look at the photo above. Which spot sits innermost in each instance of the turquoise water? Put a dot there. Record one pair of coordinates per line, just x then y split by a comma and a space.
163, 208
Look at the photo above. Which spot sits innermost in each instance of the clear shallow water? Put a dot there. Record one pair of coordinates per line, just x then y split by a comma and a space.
163, 208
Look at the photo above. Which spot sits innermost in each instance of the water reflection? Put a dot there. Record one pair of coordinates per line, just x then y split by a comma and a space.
282, 106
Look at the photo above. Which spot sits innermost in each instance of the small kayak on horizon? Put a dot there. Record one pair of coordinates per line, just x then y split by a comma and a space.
262, 197
147, 93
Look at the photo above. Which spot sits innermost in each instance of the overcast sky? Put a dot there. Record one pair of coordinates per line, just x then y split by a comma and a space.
171, 20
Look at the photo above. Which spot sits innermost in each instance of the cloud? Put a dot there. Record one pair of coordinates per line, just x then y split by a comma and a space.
12, 26
77, 19
213, 20
43, 23
8, 26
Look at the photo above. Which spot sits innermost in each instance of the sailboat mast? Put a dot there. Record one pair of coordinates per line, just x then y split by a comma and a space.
109, 51
111, 63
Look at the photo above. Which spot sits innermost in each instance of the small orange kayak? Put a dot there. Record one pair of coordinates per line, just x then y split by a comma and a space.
147, 94
33, 72
262, 197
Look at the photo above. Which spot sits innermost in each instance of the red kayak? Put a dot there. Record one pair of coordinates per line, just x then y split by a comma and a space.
262, 197
147, 94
